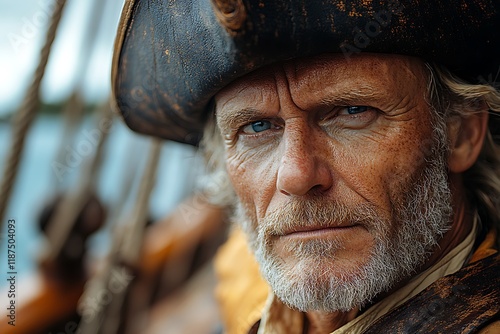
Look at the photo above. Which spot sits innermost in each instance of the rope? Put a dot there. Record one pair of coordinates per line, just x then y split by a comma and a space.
132, 245
73, 113
68, 210
24, 117
99, 281
125, 253
75, 106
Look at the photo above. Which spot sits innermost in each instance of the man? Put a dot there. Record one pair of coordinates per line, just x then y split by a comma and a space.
359, 140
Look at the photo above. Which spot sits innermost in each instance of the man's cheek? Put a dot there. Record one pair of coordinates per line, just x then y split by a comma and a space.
238, 176
242, 164
253, 176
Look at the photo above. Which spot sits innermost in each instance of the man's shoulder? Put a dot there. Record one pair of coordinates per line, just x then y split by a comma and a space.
464, 302
493, 328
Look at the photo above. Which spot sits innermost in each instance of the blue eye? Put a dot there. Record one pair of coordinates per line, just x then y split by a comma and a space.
258, 126
352, 110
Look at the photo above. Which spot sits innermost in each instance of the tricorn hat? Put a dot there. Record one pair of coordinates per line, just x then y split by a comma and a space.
172, 56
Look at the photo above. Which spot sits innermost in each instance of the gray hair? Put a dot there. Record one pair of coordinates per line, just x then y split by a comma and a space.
212, 146
452, 97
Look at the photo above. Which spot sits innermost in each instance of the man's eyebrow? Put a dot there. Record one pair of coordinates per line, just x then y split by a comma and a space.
349, 97
234, 118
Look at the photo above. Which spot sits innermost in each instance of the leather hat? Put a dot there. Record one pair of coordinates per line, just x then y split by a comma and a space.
172, 56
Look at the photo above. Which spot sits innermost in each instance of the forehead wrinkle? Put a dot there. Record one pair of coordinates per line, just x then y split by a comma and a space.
344, 91
233, 118
282, 87
240, 102
290, 78
348, 97
385, 73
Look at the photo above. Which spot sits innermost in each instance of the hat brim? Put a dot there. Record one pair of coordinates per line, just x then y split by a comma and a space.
172, 57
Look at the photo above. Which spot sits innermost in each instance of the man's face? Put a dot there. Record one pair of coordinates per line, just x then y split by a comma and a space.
340, 174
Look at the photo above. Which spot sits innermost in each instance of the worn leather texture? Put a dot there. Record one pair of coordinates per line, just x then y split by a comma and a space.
173, 56
464, 302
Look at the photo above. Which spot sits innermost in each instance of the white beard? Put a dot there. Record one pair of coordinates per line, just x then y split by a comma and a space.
421, 217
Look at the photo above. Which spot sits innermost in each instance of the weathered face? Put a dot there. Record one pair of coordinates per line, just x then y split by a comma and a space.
328, 158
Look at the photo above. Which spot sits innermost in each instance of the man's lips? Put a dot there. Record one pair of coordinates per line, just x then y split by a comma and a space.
304, 231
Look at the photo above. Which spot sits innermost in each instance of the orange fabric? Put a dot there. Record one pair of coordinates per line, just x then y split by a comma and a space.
493, 328
486, 248
242, 292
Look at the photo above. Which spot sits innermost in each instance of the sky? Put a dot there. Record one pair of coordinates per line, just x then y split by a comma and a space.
23, 25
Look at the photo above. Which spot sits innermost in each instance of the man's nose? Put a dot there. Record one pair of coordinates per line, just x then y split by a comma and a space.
303, 166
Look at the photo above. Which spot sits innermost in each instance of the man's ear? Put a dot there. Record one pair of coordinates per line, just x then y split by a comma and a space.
466, 138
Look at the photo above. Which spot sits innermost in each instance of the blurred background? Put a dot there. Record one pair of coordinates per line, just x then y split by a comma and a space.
68, 135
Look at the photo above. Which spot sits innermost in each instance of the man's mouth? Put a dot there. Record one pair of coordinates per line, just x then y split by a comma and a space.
319, 231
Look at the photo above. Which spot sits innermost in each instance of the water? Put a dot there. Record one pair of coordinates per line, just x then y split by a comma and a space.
38, 180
